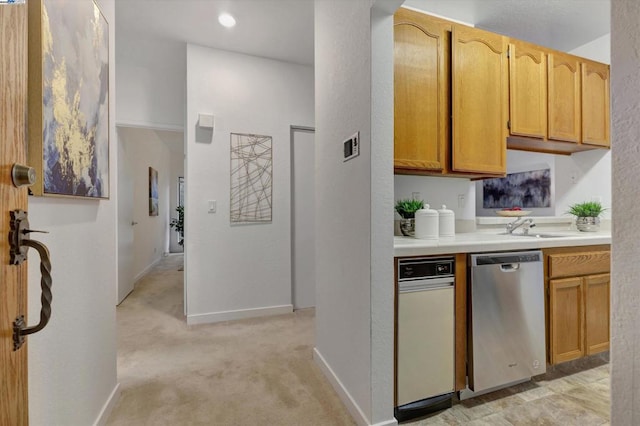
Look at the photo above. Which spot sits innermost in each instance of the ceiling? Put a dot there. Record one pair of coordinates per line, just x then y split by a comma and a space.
559, 24
278, 29
283, 29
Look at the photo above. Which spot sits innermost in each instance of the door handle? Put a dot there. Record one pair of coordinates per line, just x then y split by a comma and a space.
19, 244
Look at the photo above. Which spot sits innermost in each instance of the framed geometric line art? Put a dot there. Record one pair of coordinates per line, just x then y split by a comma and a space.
251, 178
69, 98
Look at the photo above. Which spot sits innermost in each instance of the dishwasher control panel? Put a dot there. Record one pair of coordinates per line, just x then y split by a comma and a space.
425, 268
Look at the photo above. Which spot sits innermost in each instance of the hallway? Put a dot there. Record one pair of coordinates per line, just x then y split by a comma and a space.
248, 372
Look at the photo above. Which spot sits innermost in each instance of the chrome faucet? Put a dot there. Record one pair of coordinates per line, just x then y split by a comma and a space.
525, 223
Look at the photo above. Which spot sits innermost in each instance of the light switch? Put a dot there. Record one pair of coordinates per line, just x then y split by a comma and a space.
212, 206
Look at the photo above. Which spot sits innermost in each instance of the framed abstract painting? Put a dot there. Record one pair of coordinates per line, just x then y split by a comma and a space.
153, 192
69, 98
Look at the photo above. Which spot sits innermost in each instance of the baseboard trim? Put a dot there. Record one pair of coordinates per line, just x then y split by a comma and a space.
393, 422
342, 392
145, 270
238, 314
108, 406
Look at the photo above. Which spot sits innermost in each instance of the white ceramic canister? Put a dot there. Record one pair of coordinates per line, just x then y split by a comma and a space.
427, 227
447, 220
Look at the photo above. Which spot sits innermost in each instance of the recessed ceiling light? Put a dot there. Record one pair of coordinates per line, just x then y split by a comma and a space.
227, 20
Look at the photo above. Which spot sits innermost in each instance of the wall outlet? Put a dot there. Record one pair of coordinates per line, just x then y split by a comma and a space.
461, 199
416, 196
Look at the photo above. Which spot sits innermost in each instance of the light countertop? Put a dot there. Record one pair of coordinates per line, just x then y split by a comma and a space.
488, 241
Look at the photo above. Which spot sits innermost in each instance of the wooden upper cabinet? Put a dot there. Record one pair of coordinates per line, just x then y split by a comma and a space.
421, 92
595, 104
564, 97
480, 99
527, 90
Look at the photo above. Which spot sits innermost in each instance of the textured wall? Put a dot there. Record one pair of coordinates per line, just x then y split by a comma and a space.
72, 362
145, 149
625, 95
343, 196
382, 294
151, 78
236, 270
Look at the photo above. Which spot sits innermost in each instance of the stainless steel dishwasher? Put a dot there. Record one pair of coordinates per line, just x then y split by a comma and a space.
425, 336
507, 321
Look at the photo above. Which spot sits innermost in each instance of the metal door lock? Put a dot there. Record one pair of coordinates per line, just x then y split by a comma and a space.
23, 175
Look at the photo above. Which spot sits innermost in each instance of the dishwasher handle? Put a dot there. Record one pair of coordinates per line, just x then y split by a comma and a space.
487, 259
408, 286
510, 267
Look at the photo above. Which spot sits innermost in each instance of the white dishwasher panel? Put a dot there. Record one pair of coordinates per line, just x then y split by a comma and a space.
426, 344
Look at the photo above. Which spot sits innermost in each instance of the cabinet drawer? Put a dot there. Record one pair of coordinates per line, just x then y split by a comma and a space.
576, 264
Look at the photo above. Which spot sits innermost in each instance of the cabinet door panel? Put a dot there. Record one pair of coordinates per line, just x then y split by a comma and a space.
597, 308
421, 81
480, 99
527, 90
595, 104
564, 97
566, 311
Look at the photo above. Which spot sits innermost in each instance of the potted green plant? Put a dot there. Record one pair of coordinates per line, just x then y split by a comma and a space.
587, 215
178, 224
407, 210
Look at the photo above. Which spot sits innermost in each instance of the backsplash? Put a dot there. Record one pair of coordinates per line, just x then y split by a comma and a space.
583, 176
457, 194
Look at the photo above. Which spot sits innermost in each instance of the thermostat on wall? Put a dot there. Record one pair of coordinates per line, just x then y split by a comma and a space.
352, 147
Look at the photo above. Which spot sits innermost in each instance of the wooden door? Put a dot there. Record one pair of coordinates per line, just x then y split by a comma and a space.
480, 99
597, 313
566, 322
13, 282
564, 97
421, 92
527, 90
595, 103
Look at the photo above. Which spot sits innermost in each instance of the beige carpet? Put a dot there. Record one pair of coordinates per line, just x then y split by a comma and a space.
247, 372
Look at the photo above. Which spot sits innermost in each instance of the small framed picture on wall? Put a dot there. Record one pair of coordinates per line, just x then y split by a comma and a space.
153, 192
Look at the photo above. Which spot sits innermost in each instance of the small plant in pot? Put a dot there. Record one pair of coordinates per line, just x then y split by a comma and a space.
178, 223
407, 210
587, 215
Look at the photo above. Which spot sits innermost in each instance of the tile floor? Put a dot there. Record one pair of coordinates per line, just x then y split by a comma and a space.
574, 393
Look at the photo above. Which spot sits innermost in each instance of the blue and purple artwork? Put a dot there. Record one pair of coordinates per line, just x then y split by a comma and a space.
75, 96
530, 189
153, 192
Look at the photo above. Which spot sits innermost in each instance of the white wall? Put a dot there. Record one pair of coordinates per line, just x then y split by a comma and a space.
382, 294
146, 148
151, 75
72, 362
457, 194
239, 270
596, 50
625, 268
349, 298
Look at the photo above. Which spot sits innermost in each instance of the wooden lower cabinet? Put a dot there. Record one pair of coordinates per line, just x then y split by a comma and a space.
597, 312
566, 305
578, 306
